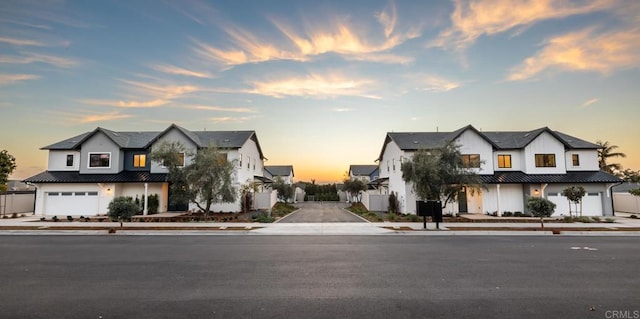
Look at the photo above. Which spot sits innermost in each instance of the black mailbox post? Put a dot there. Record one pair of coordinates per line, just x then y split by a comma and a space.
432, 209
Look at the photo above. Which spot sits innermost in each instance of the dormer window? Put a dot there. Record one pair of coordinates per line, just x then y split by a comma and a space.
99, 160
139, 160
545, 160
504, 161
471, 160
575, 159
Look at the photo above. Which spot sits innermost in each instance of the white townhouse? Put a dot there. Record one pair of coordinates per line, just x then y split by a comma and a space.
283, 172
87, 171
513, 166
365, 173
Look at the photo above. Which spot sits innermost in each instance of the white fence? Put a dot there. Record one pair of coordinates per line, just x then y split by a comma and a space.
265, 200
17, 202
375, 202
626, 203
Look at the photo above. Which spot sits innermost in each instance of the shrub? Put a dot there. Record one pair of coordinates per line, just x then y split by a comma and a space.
391, 216
507, 214
633, 216
154, 203
69, 218
540, 207
282, 209
394, 204
609, 220
14, 215
414, 218
54, 218
596, 219
42, 219
263, 218
358, 208
122, 208
518, 214
582, 219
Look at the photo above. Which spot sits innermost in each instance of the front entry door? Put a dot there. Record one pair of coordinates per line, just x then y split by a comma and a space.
462, 201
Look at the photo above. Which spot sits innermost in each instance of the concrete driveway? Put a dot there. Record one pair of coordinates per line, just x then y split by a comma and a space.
322, 212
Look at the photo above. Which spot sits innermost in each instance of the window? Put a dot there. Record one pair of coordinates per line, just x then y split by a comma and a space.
69, 160
254, 164
471, 160
504, 161
575, 159
99, 160
388, 166
394, 164
545, 160
240, 160
248, 162
139, 160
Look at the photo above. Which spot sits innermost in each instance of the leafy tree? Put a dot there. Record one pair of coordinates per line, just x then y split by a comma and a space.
168, 154
122, 208
574, 194
606, 152
285, 191
7, 166
353, 187
540, 207
394, 204
629, 176
210, 179
439, 173
205, 181
635, 192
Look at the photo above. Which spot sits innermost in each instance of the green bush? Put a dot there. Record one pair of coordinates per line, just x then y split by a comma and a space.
282, 209
518, 214
391, 216
358, 209
633, 216
596, 219
263, 218
54, 218
154, 203
507, 214
122, 208
609, 220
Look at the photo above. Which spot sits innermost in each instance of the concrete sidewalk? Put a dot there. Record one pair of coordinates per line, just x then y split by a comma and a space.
32, 225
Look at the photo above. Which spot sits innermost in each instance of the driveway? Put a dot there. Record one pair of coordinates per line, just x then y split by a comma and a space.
322, 212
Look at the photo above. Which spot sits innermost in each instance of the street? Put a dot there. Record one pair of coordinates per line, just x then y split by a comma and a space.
317, 276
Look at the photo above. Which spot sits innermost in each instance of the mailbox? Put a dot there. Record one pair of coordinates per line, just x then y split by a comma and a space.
430, 208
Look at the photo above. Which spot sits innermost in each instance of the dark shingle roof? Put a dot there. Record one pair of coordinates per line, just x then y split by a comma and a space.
142, 140
279, 170
518, 177
76, 177
362, 170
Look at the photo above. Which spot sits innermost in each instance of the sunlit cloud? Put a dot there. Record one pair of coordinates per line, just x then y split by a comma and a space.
230, 119
126, 104
21, 42
589, 102
171, 69
170, 91
314, 85
583, 51
30, 57
221, 109
90, 117
473, 19
14, 78
433, 83
337, 36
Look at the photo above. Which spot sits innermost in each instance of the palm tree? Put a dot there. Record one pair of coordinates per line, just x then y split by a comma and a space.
605, 152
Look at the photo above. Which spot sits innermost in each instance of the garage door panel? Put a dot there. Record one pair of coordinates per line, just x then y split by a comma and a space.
72, 203
591, 204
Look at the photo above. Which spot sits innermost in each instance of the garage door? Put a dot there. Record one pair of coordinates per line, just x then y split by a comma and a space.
71, 203
591, 204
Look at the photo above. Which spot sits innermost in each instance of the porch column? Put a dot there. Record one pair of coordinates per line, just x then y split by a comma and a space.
498, 199
146, 199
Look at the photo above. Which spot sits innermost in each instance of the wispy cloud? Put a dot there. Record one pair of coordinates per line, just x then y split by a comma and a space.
589, 102
315, 85
221, 109
30, 57
230, 119
338, 36
22, 23
473, 19
585, 50
91, 117
342, 109
172, 69
13, 78
160, 91
433, 83
126, 104
21, 42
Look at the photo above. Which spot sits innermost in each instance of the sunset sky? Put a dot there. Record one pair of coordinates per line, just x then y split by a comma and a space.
321, 82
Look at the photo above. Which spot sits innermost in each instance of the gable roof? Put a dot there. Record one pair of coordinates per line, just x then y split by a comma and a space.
362, 170
413, 141
143, 140
280, 170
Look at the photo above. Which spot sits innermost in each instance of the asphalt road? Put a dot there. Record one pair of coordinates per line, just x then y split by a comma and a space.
322, 212
317, 277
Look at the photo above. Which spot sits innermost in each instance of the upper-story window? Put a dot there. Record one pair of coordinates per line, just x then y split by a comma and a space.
504, 161
240, 161
69, 160
248, 162
388, 169
471, 160
139, 160
575, 159
254, 164
394, 164
99, 160
545, 160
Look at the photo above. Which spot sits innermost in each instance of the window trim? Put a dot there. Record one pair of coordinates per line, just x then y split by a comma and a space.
545, 163
504, 156
98, 167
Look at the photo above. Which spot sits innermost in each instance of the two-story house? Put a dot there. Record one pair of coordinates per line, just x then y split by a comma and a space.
513, 166
365, 173
282, 172
87, 171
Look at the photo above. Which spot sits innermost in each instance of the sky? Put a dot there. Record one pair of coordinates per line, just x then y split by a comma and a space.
321, 82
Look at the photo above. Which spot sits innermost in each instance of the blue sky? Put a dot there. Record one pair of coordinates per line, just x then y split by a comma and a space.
320, 81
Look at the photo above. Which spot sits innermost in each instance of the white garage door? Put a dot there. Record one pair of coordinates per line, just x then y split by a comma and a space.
71, 203
591, 204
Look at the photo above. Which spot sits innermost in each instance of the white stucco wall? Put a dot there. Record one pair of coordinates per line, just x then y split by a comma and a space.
471, 143
588, 160
100, 143
173, 135
511, 198
58, 161
517, 160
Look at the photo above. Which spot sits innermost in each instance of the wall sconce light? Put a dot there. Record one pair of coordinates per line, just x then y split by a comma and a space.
536, 192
